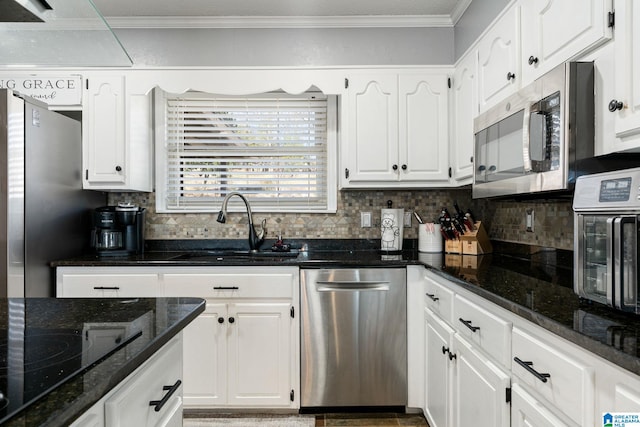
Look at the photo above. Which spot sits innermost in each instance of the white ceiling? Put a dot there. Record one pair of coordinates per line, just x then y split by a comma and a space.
280, 13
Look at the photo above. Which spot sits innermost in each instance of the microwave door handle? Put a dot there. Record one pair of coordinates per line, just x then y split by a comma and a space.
610, 261
622, 279
526, 149
618, 283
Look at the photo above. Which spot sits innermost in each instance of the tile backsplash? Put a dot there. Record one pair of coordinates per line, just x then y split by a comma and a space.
504, 219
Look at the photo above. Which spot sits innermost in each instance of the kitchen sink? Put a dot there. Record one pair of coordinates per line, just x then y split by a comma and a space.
231, 254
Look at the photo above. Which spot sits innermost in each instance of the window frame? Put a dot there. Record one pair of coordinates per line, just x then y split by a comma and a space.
161, 169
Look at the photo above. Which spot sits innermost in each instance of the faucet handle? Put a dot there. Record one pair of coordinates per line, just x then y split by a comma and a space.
263, 229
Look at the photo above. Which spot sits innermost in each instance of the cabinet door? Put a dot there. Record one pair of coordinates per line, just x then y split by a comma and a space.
480, 390
259, 354
423, 108
372, 136
464, 97
556, 31
498, 60
205, 357
627, 68
103, 129
438, 378
527, 411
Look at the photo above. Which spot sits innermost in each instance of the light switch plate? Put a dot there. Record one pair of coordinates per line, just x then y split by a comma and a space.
407, 219
530, 220
365, 219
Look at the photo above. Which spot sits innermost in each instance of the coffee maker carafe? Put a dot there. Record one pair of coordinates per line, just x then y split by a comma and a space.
118, 230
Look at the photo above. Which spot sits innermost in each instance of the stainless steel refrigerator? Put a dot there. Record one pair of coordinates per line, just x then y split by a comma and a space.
44, 213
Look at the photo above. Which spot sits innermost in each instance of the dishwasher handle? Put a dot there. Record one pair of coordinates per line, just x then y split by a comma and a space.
348, 286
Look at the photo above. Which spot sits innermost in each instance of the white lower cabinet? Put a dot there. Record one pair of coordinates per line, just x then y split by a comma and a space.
242, 351
561, 378
481, 389
527, 411
465, 383
439, 372
486, 366
239, 355
151, 396
205, 348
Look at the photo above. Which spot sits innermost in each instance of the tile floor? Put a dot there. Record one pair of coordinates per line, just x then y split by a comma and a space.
370, 420
350, 419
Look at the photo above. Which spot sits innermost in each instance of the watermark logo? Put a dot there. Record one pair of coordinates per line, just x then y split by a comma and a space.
621, 419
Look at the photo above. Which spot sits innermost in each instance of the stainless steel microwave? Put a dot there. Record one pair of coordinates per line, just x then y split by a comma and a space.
534, 140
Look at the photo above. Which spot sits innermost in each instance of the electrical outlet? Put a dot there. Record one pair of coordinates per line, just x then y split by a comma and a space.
530, 220
407, 219
365, 219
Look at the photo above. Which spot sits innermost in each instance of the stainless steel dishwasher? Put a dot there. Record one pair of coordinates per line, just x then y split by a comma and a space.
354, 337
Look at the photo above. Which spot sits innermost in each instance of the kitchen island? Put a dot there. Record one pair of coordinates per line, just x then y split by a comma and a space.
62, 356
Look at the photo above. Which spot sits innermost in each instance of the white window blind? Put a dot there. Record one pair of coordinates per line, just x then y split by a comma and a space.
272, 148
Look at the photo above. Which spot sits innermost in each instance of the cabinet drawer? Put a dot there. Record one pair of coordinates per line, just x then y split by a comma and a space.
109, 285
229, 285
526, 411
438, 299
159, 378
564, 381
490, 332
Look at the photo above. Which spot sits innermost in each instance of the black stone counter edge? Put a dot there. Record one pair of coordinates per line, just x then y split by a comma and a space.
409, 256
611, 354
87, 400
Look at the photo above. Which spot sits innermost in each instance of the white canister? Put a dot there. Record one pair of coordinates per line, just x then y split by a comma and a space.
430, 238
391, 228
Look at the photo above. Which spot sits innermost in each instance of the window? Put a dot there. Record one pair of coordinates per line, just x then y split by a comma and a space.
276, 149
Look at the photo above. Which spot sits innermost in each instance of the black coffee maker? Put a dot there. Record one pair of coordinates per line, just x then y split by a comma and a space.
118, 230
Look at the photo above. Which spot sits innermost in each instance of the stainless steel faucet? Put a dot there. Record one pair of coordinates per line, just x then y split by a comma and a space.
255, 238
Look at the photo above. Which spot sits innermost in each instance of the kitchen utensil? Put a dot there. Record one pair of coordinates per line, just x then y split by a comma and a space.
418, 218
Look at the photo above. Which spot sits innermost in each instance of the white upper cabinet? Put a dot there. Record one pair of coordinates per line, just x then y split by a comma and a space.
464, 100
396, 130
423, 131
372, 136
625, 105
498, 60
557, 31
117, 145
103, 130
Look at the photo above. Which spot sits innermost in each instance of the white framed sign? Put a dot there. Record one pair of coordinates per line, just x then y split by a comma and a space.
53, 90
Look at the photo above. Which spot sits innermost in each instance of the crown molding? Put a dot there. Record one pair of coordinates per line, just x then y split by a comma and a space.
458, 11
379, 21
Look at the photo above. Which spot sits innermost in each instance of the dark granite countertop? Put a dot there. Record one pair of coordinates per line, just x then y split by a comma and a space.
534, 283
50, 376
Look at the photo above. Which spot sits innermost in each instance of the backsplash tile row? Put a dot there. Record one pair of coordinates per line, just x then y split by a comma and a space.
344, 224
503, 219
